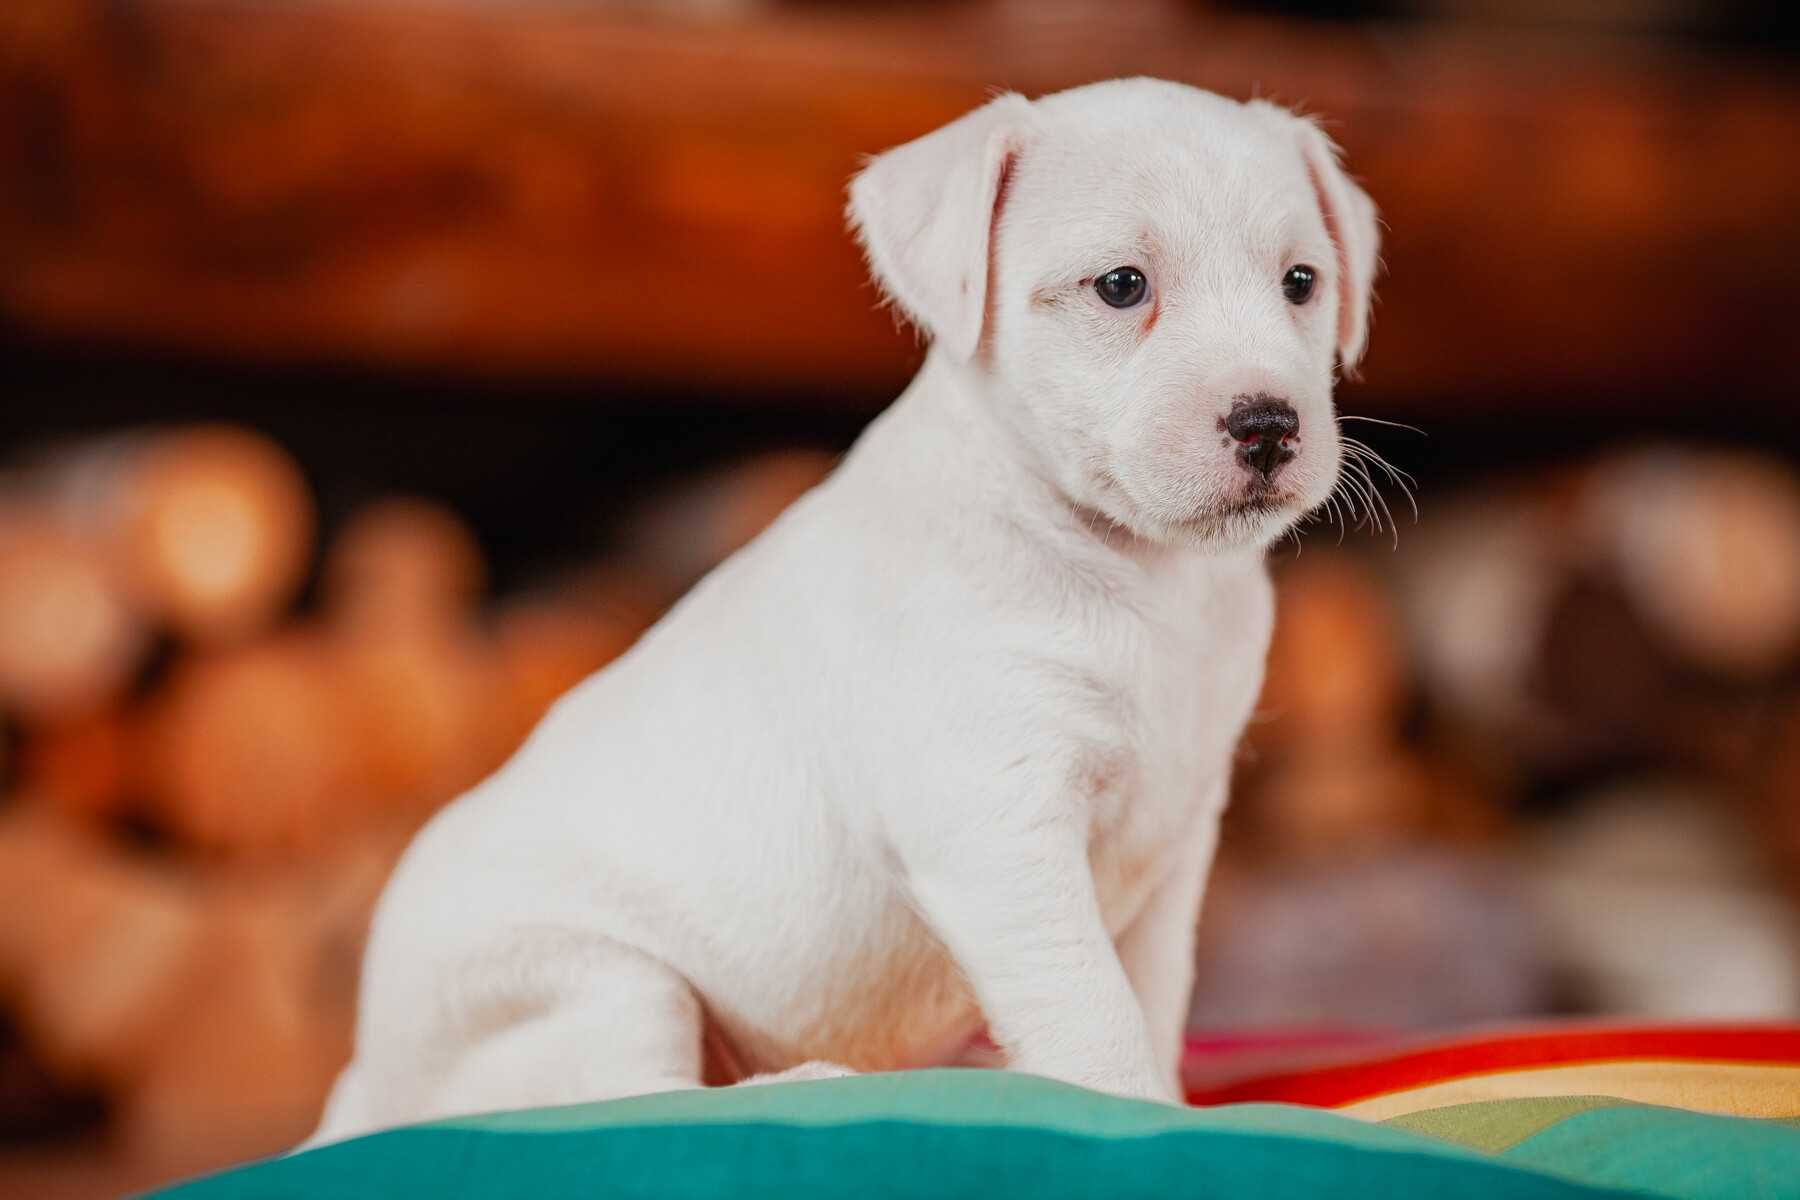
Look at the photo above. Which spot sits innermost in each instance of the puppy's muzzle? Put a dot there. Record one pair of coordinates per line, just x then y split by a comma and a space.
1264, 428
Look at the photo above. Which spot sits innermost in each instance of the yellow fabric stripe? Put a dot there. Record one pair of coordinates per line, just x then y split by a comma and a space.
1732, 1089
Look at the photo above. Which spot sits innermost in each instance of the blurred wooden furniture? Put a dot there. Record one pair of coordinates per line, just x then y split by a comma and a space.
581, 190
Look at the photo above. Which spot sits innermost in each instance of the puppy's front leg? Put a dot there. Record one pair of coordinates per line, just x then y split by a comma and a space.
1022, 920
1157, 950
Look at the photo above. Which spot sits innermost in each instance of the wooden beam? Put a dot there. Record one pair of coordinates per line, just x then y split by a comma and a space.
562, 188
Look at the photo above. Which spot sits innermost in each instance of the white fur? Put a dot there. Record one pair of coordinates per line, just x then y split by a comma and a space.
947, 746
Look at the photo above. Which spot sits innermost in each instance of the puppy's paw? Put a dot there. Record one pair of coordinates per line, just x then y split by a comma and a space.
803, 1073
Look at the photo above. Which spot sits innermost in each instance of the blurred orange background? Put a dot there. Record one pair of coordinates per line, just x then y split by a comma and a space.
374, 371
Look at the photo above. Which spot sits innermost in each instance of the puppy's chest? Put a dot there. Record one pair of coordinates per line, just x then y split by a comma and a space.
1156, 777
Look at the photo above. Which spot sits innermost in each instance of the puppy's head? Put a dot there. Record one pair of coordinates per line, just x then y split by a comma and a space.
1156, 283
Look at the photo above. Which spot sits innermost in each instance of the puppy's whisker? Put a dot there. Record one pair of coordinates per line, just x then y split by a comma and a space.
1393, 528
1353, 488
1369, 454
1379, 421
1335, 503
1360, 462
1399, 478
1337, 514
1360, 465
1366, 493
1343, 492
1387, 514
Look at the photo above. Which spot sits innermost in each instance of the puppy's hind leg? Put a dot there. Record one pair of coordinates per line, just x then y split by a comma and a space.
615, 1023
346, 1110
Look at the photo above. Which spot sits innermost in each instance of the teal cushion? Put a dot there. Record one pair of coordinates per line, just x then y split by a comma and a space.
997, 1135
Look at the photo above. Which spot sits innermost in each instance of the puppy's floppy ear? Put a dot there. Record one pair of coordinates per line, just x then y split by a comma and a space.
1350, 220
925, 212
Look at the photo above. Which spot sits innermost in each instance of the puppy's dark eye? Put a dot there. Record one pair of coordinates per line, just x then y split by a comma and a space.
1297, 284
1122, 287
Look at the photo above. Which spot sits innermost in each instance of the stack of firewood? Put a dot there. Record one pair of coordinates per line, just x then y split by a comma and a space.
1619, 636
223, 734
225, 723
1641, 609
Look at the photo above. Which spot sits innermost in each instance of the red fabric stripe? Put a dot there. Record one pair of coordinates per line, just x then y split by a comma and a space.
1346, 1083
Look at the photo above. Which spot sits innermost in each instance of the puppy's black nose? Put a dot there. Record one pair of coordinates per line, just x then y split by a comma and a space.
1263, 426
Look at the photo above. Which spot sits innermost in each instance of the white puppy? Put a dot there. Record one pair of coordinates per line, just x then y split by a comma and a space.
945, 749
